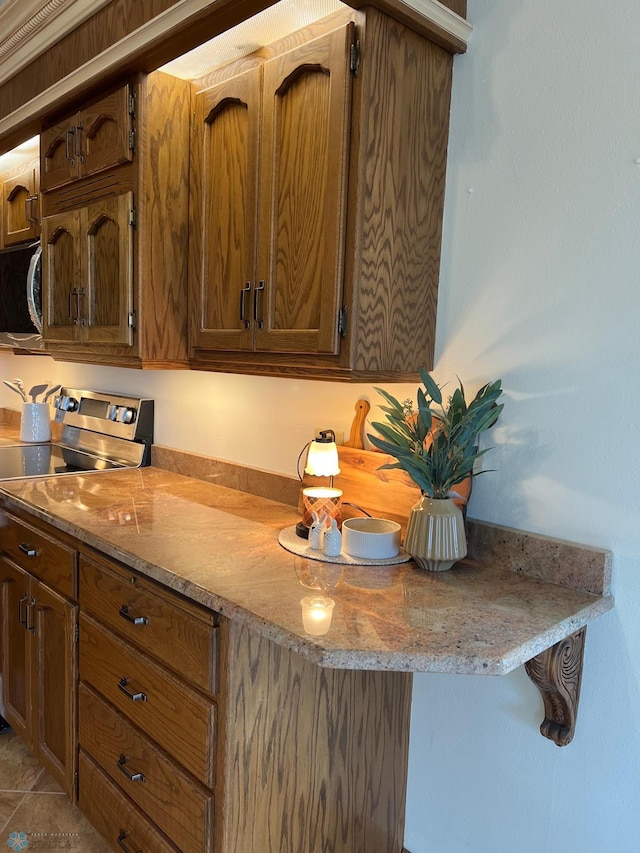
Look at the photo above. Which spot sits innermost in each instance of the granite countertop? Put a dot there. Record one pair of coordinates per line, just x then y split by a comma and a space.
219, 547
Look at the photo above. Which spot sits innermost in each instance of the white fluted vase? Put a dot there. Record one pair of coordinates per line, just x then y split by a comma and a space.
436, 537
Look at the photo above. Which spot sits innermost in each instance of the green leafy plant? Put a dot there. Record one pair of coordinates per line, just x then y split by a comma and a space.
437, 446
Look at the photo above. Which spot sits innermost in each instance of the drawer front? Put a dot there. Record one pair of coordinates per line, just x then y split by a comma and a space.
115, 818
151, 619
180, 807
178, 718
37, 553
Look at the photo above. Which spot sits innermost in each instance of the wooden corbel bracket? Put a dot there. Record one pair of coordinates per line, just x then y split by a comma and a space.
557, 673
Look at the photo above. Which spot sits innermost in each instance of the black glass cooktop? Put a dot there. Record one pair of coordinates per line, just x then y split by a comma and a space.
45, 460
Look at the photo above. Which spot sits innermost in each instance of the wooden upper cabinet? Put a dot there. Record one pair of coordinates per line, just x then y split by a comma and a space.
88, 264
269, 170
305, 125
61, 269
107, 241
352, 148
96, 138
226, 133
21, 218
116, 237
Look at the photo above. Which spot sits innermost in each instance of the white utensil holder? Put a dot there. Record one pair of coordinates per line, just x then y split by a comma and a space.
35, 422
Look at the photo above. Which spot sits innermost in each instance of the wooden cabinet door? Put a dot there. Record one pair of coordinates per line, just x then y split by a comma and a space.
303, 173
59, 156
54, 668
61, 273
106, 300
104, 133
20, 208
16, 597
225, 140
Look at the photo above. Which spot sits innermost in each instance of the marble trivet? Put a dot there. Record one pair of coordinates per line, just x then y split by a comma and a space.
290, 541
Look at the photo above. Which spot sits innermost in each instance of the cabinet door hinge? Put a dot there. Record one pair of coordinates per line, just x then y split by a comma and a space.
354, 58
132, 140
342, 321
132, 217
132, 104
77, 632
131, 319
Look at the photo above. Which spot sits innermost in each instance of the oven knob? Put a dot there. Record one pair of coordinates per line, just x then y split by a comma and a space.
112, 413
68, 404
127, 415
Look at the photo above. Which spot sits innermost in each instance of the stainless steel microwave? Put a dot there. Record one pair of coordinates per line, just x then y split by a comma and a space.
21, 296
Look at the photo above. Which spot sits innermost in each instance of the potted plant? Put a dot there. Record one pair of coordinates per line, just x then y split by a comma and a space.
438, 447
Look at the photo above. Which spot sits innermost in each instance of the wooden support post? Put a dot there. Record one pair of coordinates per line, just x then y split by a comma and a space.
557, 673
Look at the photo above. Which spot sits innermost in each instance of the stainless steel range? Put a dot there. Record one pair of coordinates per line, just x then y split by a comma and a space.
101, 431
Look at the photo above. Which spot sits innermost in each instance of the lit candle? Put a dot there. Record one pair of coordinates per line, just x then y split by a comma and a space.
321, 499
317, 611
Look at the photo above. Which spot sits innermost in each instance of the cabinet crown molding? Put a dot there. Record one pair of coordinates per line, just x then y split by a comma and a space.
32, 26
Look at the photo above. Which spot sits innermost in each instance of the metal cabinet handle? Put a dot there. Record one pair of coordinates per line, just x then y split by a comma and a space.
256, 294
73, 317
243, 319
135, 697
120, 839
70, 132
132, 777
76, 146
30, 627
22, 619
28, 550
135, 620
82, 320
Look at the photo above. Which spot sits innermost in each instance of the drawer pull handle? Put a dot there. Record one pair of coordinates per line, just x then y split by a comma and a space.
135, 620
120, 839
135, 697
30, 627
28, 550
132, 777
22, 619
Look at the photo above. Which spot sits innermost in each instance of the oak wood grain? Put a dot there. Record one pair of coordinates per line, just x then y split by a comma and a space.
61, 275
224, 211
46, 557
172, 799
113, 814
53, 684
303, 194
161, 267
107, 270
183, 637
181, 720
397, 178
19, 216
16, 666
316, 758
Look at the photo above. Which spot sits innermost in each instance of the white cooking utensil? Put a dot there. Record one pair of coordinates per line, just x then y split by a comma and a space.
51, 391
36, 390
15, 388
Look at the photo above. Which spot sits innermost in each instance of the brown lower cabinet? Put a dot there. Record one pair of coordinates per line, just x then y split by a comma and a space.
39, 648
194, 733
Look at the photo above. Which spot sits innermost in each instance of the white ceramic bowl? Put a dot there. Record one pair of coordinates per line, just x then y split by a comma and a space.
371, 538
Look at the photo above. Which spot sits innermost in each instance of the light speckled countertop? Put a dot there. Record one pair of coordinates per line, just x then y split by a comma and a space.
219, 547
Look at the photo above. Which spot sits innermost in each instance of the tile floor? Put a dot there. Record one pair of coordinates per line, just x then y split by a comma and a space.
34, 813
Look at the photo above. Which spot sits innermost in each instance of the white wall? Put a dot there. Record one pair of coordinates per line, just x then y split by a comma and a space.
540, 285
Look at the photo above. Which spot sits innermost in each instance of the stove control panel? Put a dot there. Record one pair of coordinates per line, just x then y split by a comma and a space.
105, 413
